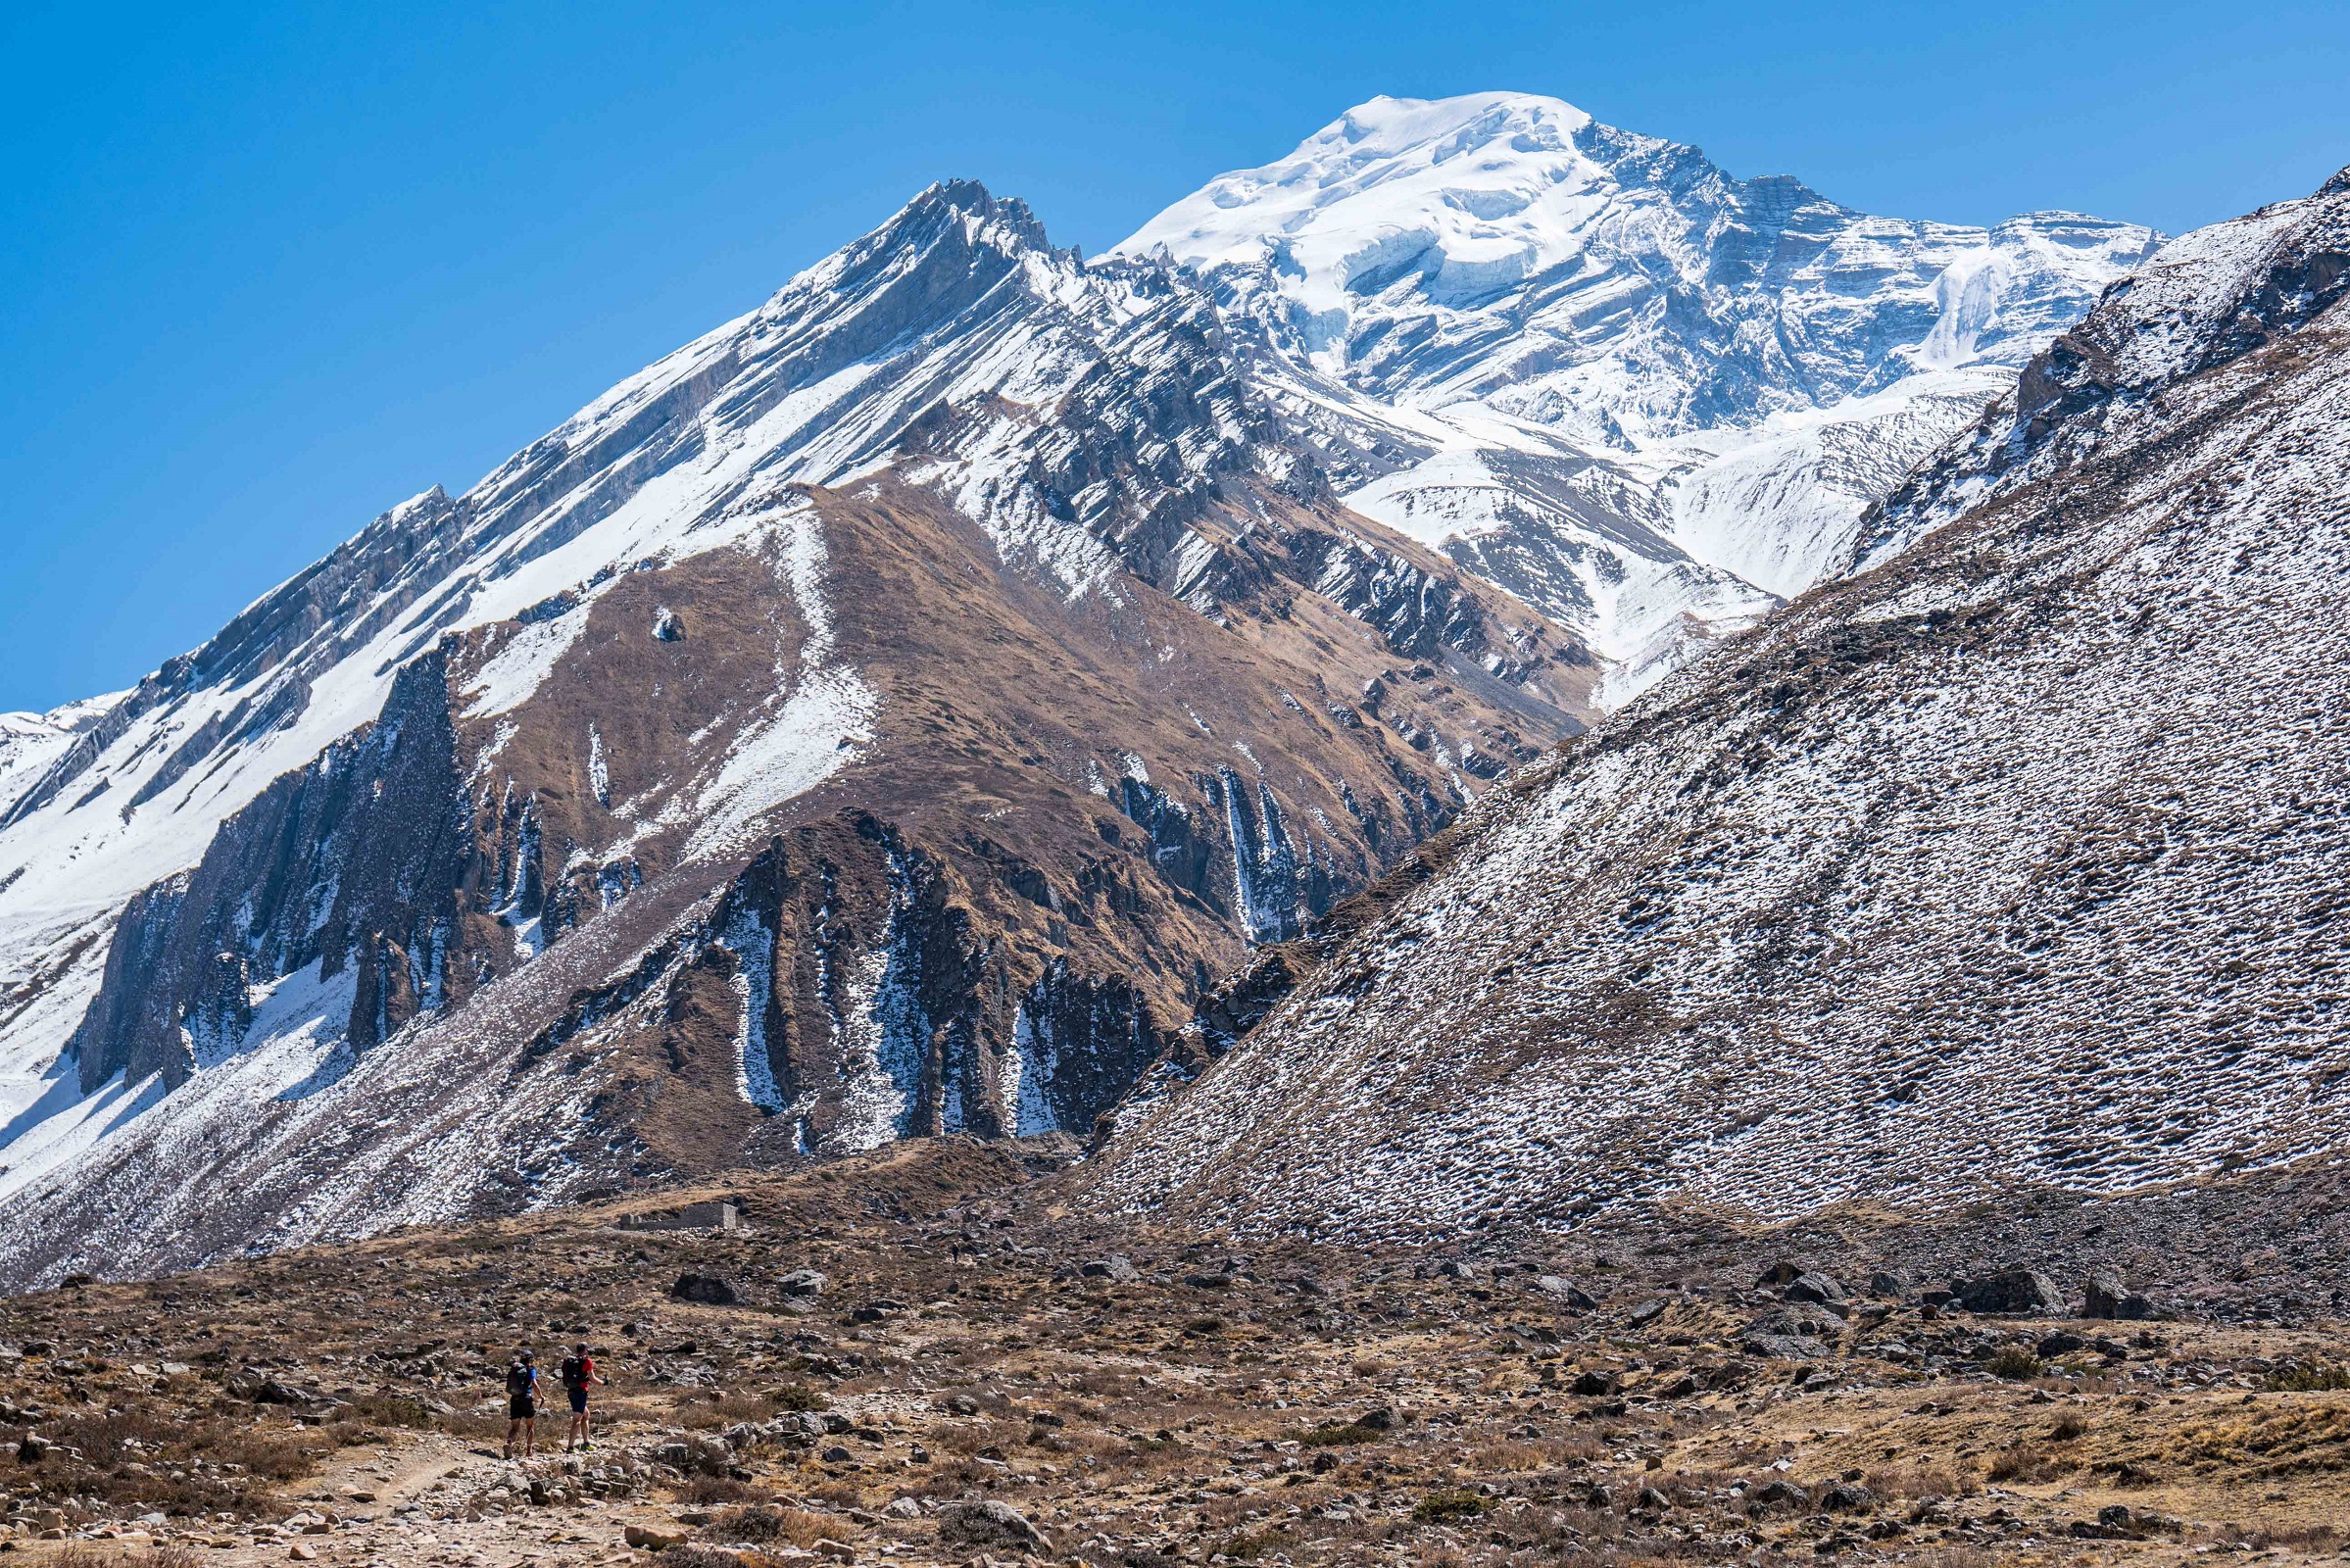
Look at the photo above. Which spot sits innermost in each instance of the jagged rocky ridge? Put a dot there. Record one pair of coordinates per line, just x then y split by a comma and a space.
1649, 398
2013, 861
882, 716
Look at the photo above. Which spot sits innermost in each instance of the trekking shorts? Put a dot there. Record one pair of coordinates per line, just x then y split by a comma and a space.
578, 1401
522, 1407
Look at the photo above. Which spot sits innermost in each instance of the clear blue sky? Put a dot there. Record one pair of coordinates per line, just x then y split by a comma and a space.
267, 269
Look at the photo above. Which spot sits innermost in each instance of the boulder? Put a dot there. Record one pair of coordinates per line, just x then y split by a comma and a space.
1783, 1347
708, 1290
1806, 1319
648, 1538
2018, 1292
2105, 1296
1820, 1290
1848, 1497
1115, 1268
1885, 1282
262, 1387
989, 1527
1595, 1384
804, 1282
1561, 1290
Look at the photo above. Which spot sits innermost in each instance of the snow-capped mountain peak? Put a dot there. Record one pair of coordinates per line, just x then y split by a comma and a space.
1463, 193
1650, 397
757, 765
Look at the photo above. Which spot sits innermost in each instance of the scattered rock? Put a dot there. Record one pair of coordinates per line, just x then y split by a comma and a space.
1819, 1290
708, 1290
2018, 1291
989, 1527
1563, 1290
2105, 1296
1848, 1497
804, 1282
651, 1539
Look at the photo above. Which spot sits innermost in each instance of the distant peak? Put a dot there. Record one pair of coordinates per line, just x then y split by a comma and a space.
973, 200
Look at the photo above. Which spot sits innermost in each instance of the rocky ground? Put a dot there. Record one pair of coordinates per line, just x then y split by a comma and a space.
971, 1370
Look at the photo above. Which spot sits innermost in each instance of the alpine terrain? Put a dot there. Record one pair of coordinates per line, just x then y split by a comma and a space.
895, 712
2012, 863
883, 717
1499, 854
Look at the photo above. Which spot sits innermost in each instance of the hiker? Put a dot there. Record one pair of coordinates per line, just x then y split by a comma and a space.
578, 1376
521, 1402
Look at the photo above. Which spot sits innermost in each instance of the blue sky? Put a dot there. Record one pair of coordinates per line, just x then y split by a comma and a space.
268, 269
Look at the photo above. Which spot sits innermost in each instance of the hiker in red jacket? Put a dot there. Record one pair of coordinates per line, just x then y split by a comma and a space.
578, 1376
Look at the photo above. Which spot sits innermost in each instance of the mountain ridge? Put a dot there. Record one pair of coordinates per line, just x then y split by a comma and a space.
1960, 876
878, 718
885, 715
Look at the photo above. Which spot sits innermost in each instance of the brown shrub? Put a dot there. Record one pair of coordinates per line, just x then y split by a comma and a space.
760, 1527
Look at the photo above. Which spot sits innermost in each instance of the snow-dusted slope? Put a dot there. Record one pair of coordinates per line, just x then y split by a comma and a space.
1630, 387
874, 718
2014, 861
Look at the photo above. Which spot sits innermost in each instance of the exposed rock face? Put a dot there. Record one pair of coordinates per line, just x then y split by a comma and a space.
357, 863
2006, 863
883, 717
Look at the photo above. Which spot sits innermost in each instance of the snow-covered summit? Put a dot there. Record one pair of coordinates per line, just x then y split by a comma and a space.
1534, 336
1492, 181
1508, 247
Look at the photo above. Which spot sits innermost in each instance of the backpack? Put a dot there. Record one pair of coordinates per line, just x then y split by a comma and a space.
517, 1380
574, 1373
